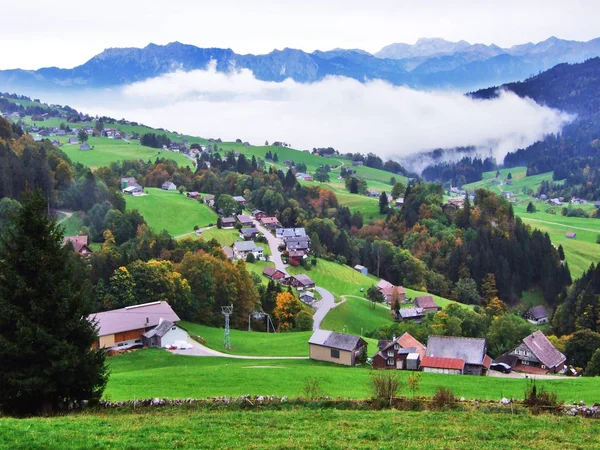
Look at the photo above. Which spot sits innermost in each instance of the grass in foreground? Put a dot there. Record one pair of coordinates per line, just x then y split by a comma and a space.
297, 428
158, 373
171, 211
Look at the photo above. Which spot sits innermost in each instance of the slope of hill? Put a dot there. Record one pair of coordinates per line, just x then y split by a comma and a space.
428, 63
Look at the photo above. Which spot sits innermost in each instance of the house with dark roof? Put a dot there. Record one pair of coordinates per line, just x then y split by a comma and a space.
73, 140
298, 244
193, 195
427, 304
411, 314
248, 233
85, 146
123, 328
241, 249
241, 200
168, 186
536, 351
307, 297
537, 315
227, 222
80, 244
401, 353
287, 233
165, 335
244, 219
258, 214
302, 281
335, 347
472, 351
209, 200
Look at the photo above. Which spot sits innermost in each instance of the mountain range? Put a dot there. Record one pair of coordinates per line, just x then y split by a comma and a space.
429, 63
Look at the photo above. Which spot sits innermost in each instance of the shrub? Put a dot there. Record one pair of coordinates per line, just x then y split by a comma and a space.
312, 388
250, 258
196, 227
314, 260
539, 399
443, 397
385, 385
414, 382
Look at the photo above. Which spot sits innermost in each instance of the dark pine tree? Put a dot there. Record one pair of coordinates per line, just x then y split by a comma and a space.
46, 340
383, 203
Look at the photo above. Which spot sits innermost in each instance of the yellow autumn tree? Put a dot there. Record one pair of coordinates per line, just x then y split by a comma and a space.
286, 308
495, 307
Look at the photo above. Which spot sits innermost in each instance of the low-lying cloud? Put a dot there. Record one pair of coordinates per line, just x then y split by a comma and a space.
394, 122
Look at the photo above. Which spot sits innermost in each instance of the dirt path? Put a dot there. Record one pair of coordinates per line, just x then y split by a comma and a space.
67, 214
192, 232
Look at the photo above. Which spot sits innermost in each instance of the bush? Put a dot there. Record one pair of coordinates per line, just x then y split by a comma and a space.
385, 385
196, 227
314, 260
443, 398
250, 258
539, 399
312, 388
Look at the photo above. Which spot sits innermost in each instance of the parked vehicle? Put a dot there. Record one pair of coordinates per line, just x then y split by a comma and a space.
501, 367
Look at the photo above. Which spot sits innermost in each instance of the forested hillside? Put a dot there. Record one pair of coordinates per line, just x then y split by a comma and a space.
574, 154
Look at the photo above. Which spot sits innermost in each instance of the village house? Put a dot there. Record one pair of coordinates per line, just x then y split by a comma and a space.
411, 314
296, 256
134, 189
128, 181
193, 195
168, 186
307, 297
258, 214
427, 303
241, 250
554, 202
85, 146
372, 193
361, 269
227, 223
60, 132
56, 143
241, 200
248, 233
335, 347
447, 351
209, 200
302, 281
286, 233
403, 353
571, 235
358, 163
597, 205
387, 289
399, 202
537, 315
244, 219
123, 328
270, 222
304, 176
228, 252
536, 354
275, 274
298, 244
80, 244
165, 335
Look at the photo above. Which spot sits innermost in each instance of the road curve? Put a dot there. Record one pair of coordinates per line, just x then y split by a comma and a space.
201, 350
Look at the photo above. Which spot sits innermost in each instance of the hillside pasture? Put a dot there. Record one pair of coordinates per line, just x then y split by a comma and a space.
171, 211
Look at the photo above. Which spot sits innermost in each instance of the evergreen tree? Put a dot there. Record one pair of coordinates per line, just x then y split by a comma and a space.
383, 203
488, 288
531, 208
46, 339
561, 253
509, 176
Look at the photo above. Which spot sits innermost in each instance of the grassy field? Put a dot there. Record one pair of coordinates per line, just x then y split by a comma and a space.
224, 237
294, 428
171, 211
354, 316
72, 225
158, 373
104, 151
253, 343
579, 253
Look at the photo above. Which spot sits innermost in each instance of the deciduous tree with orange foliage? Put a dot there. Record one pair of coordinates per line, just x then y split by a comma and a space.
286, 308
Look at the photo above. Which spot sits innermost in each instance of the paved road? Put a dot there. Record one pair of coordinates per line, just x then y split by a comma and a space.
274, 244
201, 350
325, 304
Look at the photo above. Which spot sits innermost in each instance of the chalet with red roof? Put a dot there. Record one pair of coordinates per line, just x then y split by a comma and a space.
387, 290
427, 304
80, 244
443, 354
403, 353
537, 352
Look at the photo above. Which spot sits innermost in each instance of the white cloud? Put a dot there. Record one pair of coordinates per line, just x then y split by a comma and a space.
350, 116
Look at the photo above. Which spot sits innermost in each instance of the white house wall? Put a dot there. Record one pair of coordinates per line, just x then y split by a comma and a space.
173, 335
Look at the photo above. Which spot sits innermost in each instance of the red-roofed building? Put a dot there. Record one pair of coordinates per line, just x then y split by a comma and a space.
403, 353
436, 364
427, 304
387, 290
80, 244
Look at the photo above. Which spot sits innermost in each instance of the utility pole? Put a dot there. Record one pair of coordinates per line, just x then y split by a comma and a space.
227, 311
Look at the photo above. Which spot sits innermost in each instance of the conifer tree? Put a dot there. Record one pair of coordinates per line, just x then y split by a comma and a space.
383, 203
46, 339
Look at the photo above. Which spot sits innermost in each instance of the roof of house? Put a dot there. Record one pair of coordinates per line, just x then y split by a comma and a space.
359, 267
472, 350
408, 341
425, 301
227, 220
570, 234
543, 349
239, 198
249, 231
132, 318
257, 211
335, 340
303, 279
167, 184
538, 312
244, 218
246, 246
307, 294
228, 252
78, 242
290, 232
269, 220
296, 253
160, 330
273, 272
411, 313
132, 188
443, 363
209, 197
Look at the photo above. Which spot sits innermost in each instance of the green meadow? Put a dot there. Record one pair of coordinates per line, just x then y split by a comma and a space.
171, 211
296, 427
105, 151
159, 373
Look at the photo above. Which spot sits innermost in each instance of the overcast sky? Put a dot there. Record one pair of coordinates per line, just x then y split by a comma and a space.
39, 33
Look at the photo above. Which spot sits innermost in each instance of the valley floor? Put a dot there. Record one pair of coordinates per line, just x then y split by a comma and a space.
297, 427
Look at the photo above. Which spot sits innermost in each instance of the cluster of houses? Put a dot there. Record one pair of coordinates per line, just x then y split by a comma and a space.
442, 354
301, 282
297, 243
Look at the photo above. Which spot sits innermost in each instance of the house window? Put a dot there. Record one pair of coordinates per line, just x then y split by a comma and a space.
390, 362
335, 353
390, 353
396, 346
174, 328
120, 344
138, 341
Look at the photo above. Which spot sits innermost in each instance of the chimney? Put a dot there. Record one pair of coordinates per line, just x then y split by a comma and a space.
161, 320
